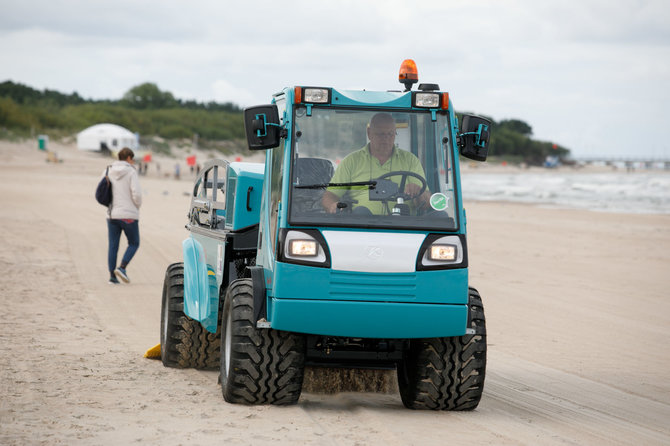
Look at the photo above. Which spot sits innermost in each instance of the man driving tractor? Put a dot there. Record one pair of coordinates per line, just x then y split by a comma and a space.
380, 156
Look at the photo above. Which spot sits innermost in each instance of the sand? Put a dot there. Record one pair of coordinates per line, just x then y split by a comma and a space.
577, 305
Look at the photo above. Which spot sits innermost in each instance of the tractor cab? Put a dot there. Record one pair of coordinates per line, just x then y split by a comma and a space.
349, 169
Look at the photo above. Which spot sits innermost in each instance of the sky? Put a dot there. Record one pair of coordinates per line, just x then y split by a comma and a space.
590, 75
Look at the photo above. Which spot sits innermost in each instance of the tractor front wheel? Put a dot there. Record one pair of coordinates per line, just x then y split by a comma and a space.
258, 366
446, 373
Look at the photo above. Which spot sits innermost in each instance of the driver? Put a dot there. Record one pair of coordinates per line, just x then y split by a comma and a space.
377, 158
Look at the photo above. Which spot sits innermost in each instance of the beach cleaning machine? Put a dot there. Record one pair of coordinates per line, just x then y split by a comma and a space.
346, 248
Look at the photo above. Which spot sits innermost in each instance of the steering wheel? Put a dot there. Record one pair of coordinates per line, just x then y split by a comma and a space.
401, 189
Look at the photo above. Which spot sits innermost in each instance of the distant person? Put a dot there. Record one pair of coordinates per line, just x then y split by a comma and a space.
123, 214
176, 171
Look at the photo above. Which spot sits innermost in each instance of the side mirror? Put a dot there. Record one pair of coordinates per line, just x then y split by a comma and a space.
262, 127
473, 141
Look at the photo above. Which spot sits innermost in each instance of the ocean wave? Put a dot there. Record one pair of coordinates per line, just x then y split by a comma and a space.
646, 193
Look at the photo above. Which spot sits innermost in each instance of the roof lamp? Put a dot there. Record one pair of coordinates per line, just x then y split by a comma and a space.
408, 74
316, 95
427, 100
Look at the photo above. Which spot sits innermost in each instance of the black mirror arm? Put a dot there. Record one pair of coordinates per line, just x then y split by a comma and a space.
478, 139
283, 132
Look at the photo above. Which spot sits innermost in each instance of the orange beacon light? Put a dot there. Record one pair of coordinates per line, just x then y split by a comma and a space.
408, 74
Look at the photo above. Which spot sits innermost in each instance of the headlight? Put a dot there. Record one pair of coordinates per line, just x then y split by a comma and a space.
303, 248
427, 100
442, 252
317, 95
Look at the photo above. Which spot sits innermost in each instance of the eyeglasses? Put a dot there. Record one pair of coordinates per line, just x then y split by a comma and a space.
384, 134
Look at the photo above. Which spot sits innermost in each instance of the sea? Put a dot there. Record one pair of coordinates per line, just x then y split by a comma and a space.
638, 192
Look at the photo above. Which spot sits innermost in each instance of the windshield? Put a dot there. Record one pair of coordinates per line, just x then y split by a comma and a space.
373, 169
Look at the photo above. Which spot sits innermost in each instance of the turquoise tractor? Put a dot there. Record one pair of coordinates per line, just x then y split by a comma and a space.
347, 248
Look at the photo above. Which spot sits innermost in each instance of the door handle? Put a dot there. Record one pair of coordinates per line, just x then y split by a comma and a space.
249, 197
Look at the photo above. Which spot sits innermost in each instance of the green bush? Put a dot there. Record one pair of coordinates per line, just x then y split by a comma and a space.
174, 131
13, 116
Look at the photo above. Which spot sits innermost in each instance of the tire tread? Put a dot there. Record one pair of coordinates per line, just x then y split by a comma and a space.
266, 365
188, 344
447, 373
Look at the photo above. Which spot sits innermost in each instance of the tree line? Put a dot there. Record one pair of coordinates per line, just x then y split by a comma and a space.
148, 110
511, 139
144, 109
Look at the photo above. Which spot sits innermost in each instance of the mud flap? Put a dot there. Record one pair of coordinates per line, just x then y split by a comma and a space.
196, 286
258, 281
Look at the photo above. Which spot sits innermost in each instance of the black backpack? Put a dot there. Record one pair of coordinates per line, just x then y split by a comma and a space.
103, 193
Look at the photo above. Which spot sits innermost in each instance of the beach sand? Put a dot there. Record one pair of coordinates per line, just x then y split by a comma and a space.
577, 306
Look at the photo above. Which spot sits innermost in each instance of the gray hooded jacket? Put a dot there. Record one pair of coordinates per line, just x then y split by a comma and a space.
126, 192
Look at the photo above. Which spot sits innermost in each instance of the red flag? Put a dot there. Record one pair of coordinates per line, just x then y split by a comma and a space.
147, 158
190, 160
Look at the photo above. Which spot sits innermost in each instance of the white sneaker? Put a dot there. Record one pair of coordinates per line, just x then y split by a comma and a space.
121, 274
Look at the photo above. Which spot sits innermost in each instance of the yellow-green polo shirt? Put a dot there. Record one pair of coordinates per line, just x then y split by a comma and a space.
362, 166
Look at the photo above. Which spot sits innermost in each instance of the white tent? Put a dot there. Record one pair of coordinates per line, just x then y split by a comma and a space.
110, 136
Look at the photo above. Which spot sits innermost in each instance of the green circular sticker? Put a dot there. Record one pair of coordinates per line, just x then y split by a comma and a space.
439, 202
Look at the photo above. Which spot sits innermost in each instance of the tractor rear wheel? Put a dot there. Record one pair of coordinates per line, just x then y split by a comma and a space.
258, 366
184, 341
446, 373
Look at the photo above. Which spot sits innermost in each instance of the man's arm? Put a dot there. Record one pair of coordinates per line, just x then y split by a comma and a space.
342, 174
412, 189
423, 200
329, 202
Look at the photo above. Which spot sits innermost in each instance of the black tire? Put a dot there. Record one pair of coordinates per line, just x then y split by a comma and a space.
258, 366
184, 342
446, 373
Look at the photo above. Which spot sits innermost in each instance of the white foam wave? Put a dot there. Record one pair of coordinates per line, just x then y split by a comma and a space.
613, 192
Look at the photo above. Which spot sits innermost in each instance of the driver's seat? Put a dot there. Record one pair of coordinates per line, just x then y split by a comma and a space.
310, 171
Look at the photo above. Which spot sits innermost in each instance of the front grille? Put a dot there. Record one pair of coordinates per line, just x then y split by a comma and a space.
373, 287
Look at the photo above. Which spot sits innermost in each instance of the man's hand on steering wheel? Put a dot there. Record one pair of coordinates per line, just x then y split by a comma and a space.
421, 197
404, 184
411, 191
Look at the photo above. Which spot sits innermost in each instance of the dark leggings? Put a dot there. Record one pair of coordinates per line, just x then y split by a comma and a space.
132, 231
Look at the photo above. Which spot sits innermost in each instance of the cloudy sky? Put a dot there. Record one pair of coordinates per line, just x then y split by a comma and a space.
591, 75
